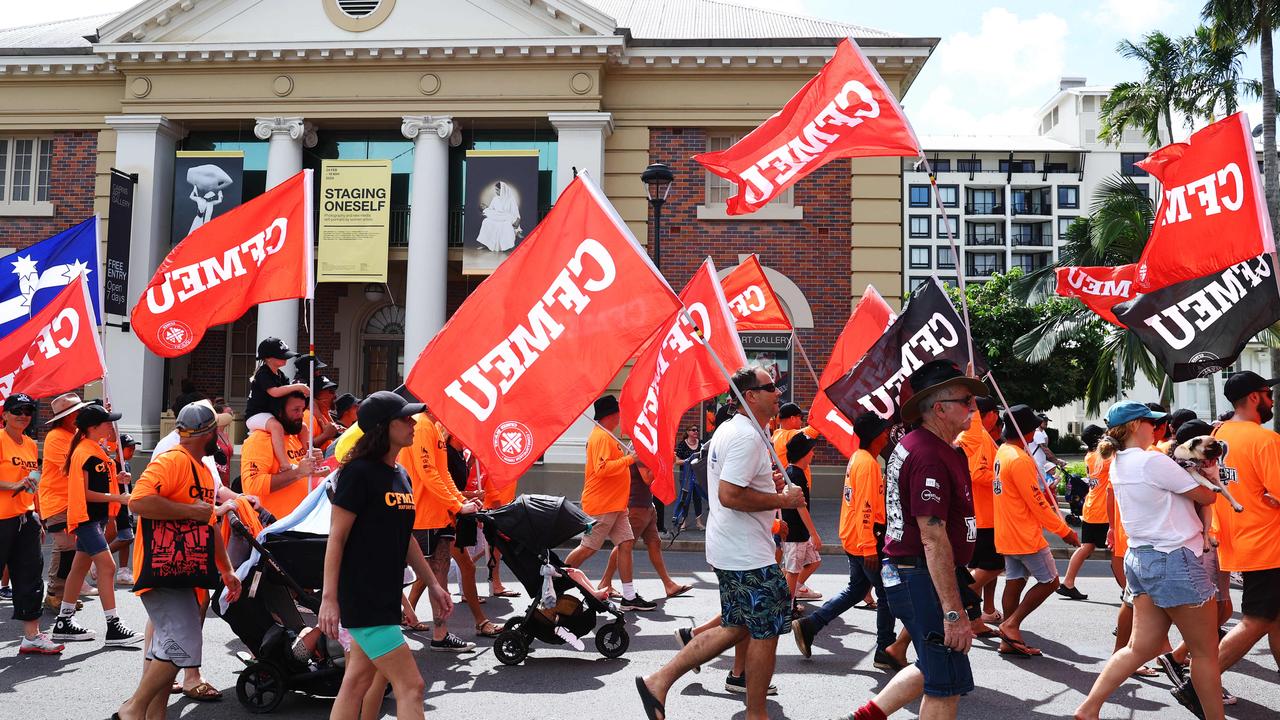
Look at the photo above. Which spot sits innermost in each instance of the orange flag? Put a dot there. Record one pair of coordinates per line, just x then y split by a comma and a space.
867, 323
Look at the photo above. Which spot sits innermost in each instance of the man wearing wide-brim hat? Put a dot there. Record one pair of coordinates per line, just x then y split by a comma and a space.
53, 492
930, 533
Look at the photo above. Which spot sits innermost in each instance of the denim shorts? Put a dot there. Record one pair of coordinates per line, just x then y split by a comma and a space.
758, 600
1172, 579
913, 600
91, 537
1038, 565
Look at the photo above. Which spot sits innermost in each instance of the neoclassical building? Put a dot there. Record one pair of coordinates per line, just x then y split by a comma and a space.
607, 86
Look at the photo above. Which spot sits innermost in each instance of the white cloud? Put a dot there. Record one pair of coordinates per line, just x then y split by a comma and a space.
1132, 17
940, 113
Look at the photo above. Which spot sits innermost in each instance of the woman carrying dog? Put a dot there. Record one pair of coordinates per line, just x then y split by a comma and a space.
1158, 499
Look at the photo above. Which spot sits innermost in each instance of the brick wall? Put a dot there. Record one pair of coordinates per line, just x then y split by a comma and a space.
70, 190
813, 252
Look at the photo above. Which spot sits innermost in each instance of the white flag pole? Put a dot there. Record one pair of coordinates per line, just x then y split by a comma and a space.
955, 253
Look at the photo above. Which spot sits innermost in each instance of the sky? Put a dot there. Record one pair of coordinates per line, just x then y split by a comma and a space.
996, 64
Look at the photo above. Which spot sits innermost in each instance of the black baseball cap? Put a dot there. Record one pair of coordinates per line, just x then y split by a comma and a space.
1243, 383
1092, 434
92, 414
789, 410
344, 403
868, 426
275, 348
1157, 407
324, 383
798, 446
127, 440
303, 361
1192, 429
382, 407
987, 404
18, 400
1180, 416
1020, 419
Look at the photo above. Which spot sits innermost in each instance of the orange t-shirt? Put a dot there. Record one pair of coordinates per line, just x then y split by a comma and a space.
168, 475
1095, 503
981, 451
1021, 508
78, 482
53, 475
17, 461
1249, 540
316, 429
436, 499
862, 504
608, 475
783, 436
258, 463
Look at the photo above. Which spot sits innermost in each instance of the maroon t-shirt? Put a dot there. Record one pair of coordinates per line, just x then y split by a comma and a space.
928, 477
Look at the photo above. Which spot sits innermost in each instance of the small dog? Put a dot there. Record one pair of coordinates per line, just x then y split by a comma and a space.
1200, 456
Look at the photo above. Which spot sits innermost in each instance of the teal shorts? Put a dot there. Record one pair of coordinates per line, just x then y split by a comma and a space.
377, 640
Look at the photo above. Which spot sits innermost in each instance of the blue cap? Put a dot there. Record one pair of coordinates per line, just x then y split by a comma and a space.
1128, 411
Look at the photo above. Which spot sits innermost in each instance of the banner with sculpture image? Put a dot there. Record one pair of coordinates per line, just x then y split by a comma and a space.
206, 184
501, 201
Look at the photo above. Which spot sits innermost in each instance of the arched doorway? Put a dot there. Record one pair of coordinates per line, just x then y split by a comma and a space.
382, 343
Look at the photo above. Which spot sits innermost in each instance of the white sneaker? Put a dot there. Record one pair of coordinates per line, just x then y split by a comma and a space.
124, 577
40, 645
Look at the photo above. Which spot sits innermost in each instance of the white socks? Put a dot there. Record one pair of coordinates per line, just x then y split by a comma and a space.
628, 591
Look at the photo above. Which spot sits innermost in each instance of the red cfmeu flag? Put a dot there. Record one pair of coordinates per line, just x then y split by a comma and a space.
538, 341
256, 253
1099, 288
867, 323
676, 371
1212, 214
754, 304
56, 350
845, 111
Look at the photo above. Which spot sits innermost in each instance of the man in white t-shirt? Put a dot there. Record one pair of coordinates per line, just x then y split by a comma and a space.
745, 491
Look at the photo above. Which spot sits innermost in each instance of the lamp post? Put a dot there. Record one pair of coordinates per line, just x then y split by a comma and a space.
657, 179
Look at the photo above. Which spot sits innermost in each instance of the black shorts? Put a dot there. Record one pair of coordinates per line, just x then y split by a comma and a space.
985, 556
465, 531
429, 539
1261, 595
1094, 534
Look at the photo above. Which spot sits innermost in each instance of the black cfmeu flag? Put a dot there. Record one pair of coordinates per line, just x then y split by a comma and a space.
928, 329
1198, 327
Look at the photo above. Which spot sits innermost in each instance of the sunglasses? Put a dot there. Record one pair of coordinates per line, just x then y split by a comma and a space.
23, 411
968, 400
767, 387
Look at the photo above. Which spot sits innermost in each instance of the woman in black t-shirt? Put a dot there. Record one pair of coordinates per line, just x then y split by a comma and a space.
364, 560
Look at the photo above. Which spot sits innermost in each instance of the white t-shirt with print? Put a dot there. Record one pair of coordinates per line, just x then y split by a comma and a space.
1147, 485
739, 540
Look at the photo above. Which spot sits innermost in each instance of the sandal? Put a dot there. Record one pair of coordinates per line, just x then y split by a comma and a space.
652, 708
504, 593
176, 689
204, 692
680, 590
417, 627
1146, 672
488, 629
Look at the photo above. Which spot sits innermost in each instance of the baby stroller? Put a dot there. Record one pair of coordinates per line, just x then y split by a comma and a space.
1077, 488
524, 532
266, 618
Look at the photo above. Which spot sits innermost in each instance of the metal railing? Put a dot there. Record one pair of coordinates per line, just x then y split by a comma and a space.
1028, 238
1032, 207
983, 268
984, 208
984, 238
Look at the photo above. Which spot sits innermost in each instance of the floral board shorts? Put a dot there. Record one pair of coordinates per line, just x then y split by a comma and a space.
755, 599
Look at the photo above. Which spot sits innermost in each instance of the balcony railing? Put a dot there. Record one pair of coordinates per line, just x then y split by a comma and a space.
983, 268
1032, 207
1027, 238
984, 208
984, 238
1031, 263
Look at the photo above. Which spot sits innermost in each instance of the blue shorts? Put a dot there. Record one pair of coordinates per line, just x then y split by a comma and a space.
377, 640
758, 600
1038, 565
1172, 579
913, 600
91, 537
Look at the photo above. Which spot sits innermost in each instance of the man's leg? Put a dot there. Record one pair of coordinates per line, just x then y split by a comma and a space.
606, 580
761, 656
157, 678
939, 708
1242, 638
704, 647
439, 564
1078, 557
1035, 597
843, 600
579, 555
626, 567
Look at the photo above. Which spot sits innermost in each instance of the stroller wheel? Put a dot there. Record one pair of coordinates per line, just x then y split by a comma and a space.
260, 688
510, 647
612, 640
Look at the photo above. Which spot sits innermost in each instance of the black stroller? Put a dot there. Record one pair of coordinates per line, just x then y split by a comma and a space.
266, 618
524, 532
1077, 488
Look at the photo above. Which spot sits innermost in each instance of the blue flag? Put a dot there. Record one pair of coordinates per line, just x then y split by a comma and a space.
31, 277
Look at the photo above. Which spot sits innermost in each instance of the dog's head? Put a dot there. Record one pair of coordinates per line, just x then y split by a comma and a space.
1205, 449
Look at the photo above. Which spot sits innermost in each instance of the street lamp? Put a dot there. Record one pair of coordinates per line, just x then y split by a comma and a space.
657, 179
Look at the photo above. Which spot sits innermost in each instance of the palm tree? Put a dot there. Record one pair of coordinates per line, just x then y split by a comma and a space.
1147, 105
1212, 75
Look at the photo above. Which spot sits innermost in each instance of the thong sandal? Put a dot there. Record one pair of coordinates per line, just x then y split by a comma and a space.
1146, 672
1018, 649
417, 627
680, 591
652, 708
488, 629
504, 593
204, 692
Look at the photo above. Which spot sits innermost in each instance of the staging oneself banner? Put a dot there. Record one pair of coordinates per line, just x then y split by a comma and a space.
1198, 327
206, 184
115, 278
355, 220
928, 329
501, 198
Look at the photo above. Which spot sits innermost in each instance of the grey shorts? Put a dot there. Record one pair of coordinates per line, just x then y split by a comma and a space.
1038, 565
177, 636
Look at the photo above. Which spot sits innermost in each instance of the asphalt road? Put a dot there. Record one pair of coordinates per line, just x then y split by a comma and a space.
90, 681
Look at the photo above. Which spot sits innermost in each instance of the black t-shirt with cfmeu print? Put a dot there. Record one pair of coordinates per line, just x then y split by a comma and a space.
372, 572
95, 469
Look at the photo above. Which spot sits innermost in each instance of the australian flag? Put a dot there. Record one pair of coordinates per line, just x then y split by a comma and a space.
33, 276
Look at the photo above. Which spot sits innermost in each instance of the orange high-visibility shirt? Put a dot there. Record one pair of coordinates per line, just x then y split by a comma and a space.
436, 499
53, 475
1249, 540
17, 461
1095, 503
1021, 508
169, 475
607, 485
258, 463
981, 451
862, 504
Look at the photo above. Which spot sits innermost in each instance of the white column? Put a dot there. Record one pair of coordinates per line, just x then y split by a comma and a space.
580, 144
145, 145
427, 273
287, 136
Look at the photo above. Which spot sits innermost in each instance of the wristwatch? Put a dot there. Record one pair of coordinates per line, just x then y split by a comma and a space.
951, 616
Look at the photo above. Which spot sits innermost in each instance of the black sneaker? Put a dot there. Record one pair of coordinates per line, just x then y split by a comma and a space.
1071, 593
452, 643
1185, 694
738, 684
684, 636
884, 661
119, 634
803, 634
638, 604
1176, 671
66, 629
6, 593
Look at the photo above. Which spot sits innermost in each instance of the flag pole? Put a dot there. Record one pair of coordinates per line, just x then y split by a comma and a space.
795, 337
102, 362
955, 252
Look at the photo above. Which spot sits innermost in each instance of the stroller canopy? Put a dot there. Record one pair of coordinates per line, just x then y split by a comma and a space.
538, 521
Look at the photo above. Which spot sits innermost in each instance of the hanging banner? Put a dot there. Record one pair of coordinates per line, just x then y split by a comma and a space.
206, 184
501, 198
355, 220
1199, 327
115, 277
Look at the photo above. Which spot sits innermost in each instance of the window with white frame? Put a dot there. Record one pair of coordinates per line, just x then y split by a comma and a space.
919, 226
719, 190
920, 257
945, 259
1064, 224
25, 169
